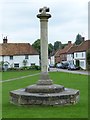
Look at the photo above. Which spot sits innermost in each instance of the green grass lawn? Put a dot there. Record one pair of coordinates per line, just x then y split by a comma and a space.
69, 80
13, 74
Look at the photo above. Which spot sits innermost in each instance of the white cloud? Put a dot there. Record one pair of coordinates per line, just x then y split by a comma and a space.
18, 19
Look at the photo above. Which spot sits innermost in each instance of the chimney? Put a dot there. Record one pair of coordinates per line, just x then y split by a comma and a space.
69, 42
5, 39
83, 38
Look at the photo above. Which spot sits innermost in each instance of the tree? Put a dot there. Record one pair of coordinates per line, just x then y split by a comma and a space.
63, 45
57, 45
1, 65
50, 49
88, 59
36, 45
79, 39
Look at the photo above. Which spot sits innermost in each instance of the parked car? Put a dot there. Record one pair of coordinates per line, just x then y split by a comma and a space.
65, 65
51, 66
58, 65
73, 67
62, 65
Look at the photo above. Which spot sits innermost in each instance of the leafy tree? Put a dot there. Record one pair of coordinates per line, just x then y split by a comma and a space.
88, 59
63, 45
50, 49
79, 39
57, 45
36, 45
1, 65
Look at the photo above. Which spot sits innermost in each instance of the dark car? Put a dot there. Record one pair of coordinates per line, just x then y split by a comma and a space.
51, 66
65, 65
62, 65
73, 67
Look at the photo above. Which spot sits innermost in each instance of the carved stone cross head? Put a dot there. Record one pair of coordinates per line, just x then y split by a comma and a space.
43, 10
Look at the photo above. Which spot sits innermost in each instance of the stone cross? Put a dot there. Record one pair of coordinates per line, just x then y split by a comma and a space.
43, 10
43, 16
44, 92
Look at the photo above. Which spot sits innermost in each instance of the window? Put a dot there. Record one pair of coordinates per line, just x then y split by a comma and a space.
82, 54
32, 64
26, 57
11, 57
16, 65
72, 55
76, 55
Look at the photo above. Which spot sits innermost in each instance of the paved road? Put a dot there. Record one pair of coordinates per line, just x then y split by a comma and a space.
70, 71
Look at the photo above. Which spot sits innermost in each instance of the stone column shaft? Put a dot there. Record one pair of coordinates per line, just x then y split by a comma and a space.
44, 45
43, 16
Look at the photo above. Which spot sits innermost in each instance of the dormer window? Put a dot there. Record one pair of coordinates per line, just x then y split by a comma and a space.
11, 57
26, 57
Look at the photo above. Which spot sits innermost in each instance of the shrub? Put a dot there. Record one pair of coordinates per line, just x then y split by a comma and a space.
34, 67
13, 69
37, 67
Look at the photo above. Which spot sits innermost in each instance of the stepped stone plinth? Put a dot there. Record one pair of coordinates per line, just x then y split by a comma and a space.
44, 92
44, 95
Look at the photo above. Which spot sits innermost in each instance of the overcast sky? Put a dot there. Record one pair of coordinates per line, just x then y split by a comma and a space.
18, 20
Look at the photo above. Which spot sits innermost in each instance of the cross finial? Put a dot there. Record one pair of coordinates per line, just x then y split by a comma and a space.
43, 10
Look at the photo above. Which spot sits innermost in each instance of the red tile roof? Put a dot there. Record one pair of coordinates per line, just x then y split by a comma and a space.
17, 49
84, 46
64, 50
72, 49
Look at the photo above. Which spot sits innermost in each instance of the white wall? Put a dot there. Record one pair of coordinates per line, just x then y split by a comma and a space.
83, 64
49, 62
81, 56
52, 60
0, 58
70, 58
19, 59
34, 59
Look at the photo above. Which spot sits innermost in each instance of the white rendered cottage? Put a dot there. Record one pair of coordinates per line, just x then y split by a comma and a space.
70, 54
77, 54
14, 54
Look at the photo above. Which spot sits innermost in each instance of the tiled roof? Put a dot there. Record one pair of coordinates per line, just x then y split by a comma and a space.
78, 48
64, 50
72, 49
83, 46
17, 49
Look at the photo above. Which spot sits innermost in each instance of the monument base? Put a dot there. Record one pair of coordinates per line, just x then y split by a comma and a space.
44, 95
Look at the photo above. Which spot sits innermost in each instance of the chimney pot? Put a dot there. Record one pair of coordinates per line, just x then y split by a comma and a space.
83, 38
69, 42
5, 39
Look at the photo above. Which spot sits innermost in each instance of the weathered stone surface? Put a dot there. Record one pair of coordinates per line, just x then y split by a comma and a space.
44, 88
66, 97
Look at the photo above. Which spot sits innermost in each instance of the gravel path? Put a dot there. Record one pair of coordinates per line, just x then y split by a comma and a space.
70, 71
